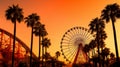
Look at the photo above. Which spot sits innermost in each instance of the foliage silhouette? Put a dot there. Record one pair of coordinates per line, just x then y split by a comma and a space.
14, 13
31, 20
112, 12
96, 26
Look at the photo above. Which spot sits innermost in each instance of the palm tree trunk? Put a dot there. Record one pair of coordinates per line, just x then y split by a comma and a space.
115, 41
14, 44
31, 47
39, 48
103, 61
42, 52
98, 45
45, 54
45, 49
93, 52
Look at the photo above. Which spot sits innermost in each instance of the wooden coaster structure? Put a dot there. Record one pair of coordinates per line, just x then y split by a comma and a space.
21, 49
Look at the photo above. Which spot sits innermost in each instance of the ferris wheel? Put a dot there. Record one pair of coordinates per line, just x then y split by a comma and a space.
73, 42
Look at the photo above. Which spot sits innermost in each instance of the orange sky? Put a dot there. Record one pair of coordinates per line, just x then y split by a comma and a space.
58, 16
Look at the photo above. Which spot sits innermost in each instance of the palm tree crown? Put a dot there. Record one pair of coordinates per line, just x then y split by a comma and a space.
14, 13
57, 54
32, 19
96, 23
39, 29
111, 11
46, 42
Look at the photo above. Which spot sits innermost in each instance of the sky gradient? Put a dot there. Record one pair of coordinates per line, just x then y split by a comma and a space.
58, 16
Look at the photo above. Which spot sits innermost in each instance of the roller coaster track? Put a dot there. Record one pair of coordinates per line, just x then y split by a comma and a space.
19, 41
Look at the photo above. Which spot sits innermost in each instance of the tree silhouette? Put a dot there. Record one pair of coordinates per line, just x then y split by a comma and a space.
112, 12
112, 56
15, 14
57, 54
105, 52
102, 38
96, 26
43, 34
92, 45
86, 49
45, 43
39, 30
31, 20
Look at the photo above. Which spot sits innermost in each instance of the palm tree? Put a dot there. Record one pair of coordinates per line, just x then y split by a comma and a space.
103, 36
112, 56
92, 45
86, 49
96, 26
15, 14
31, 20
45, 43
111, 12
47, 56
38, 32
43, 34
57, 54
105, 52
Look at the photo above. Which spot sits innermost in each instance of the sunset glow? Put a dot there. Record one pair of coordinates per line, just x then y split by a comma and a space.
59, 16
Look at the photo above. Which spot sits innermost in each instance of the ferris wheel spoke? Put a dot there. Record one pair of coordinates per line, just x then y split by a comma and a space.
67, 34
66, 43
67, 49
86, 35
67, 37
72, 54
77, 30
66, 40
90, 37
80, 31
69, 52
72, 32
67, 46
